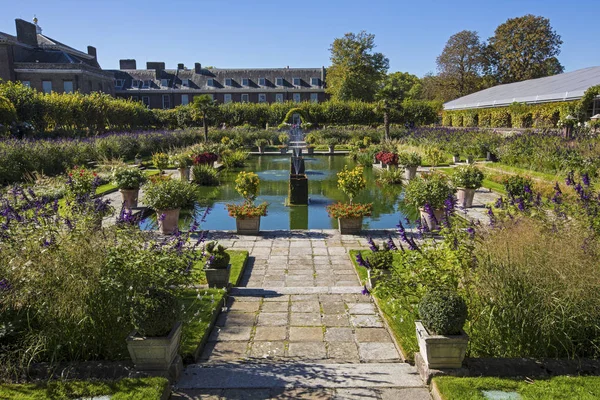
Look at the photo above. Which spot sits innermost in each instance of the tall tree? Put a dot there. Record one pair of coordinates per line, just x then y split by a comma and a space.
356, 70
524, 48
460, 65
204, 106
390, 95
410, 85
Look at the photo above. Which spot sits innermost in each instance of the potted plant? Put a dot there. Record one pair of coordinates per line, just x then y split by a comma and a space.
137, 159
387, 159
182, 162
455, 149
247, 215
331, 142
410, 162
129, 180
466, 179
261, 144
471, 152
283, 139
206, 158
429, 193
311, 141
154, 344
442, 341
350, 215
217, 266
380, 264
167, 196
160, 161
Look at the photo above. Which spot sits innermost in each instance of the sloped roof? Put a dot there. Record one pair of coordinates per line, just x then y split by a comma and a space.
562, 87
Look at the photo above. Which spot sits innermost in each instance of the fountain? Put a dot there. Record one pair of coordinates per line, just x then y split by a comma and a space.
298, 188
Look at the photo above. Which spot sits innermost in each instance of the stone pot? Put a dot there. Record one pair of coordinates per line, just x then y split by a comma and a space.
156, 354
218, 277
310, 150
350, 226
441, 351
261, 149
332, 149
470, 160
283, 150
465, 197
130, 197
430, 223
169, 223
488, 156
456, 159
410, 173
374, 276
184, 173
247, 226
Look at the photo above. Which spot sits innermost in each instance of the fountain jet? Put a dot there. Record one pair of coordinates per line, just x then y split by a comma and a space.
298, 188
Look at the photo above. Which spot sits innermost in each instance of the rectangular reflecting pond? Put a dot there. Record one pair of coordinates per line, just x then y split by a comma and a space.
274, 172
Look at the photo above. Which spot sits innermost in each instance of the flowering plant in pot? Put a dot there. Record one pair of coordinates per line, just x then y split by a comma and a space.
378, 263
154, 344
182, 161
247, 215
160, 161
129, 180
410, 162
429, 194
311, 141
167, 196
350, 215
387, 158
331, 143
217, 265
442, 341
261, 144
283, 139
466, 179
206, 158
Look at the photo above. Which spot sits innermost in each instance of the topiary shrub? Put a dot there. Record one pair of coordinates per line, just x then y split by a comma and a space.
443, 312
218, 258
382, 259
154, 313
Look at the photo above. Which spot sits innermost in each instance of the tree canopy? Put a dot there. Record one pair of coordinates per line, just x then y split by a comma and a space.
356, 70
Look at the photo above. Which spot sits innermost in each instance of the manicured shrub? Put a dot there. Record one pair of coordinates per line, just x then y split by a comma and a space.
443, 312
218, 258
380, 260
154, 313
467, 176
129, 178
432, 189
410, 159
163, 193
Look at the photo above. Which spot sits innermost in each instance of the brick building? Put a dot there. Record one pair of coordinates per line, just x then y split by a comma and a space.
159, 87
48, 65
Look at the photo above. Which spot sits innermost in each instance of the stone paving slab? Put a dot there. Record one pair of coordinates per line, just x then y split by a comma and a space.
297, 375
304, 393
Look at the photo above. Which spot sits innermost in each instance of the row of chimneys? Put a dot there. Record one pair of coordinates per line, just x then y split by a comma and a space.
27, 33
157, 66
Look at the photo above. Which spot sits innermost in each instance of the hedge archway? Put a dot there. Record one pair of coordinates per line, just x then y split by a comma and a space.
296, 110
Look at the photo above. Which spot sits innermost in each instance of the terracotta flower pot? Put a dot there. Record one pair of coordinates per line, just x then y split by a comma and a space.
350, 226
410, 173
465, 197
433, 224
441, 351
130, 197
248, 226
168, 220
184, 173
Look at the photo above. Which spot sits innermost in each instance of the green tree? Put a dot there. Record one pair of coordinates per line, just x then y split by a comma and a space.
356, 70
524, 48
461, 65
390, 95
410, 84
205, 106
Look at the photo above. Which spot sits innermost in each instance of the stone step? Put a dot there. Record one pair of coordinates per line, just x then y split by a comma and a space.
299, 375
278, 291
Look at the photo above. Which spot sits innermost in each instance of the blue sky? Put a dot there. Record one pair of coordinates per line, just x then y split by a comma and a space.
275, 33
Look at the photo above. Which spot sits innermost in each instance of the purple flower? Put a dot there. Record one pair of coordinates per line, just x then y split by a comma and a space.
527, 189
365, 291
162, 217
569, 179
362, 262
585, 179
5, 285
471, 232
391, 245
499, 203
372, 244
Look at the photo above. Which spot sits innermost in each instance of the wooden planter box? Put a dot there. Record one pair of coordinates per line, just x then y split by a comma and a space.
441, 351
248, 226
350, 226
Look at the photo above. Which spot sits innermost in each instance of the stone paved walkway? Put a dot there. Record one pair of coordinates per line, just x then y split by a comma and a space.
299, 327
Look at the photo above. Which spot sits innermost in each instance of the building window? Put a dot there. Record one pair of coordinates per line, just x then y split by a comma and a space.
135, 83
262, 81
185, 82
164, 82
314, 97
146, 84
185, 99
262, 98
228, 82
245, 82
245, 98
146, 101
119, 83
279, 97
68, 86
296, 81
227, 98
47, 86
279, 81
210, 82
297, 97
135, 98
26, 83
166, 101
314, 81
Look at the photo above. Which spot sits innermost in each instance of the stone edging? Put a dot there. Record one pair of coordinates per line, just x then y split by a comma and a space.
209, 329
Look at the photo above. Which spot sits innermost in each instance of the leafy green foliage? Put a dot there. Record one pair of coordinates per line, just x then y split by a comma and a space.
234, 159
410, 159
205, 107
160, 161
154, 313
518, 186
218, 258
390, 176
8, 114
205, 175
443, 312
380, 260
168, 194
432, 189
467, 176
129, 178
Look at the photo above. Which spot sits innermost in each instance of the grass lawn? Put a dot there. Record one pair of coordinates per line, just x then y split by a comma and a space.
560, 387
402, 322
487, 183
124, 389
